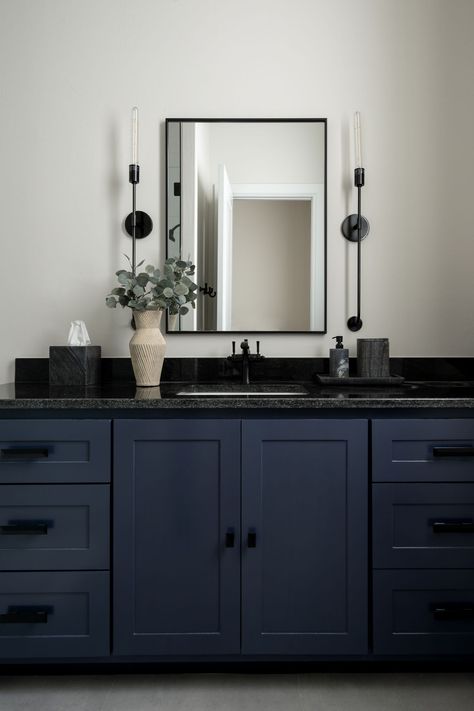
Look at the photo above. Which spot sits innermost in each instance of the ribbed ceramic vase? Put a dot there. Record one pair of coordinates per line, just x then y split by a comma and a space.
147, 348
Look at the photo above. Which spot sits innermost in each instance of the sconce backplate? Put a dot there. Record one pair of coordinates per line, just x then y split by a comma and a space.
144, 224
349, 227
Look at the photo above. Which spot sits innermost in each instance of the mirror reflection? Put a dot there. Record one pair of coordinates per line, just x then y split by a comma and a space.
246, 203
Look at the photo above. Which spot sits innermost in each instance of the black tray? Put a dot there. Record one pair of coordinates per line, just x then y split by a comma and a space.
393, 380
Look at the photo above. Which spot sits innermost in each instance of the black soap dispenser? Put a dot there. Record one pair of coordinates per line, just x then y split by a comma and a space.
339, 360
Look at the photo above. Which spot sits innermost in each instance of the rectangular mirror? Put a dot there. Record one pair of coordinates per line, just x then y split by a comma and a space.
246, 202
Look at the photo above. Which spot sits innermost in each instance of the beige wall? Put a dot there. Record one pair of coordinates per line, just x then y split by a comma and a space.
72, 69
271, 260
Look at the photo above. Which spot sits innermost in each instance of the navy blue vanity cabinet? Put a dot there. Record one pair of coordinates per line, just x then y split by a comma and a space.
54, 538
304, 537
176, 584
423, 536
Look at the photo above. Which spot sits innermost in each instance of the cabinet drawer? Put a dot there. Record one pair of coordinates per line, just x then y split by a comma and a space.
423, 525
55, 527
56, 451
423, 612
423, 450
54, 615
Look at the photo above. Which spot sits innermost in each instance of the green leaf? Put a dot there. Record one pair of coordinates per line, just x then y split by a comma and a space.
165, 283
111, 302
150, 268
143, 279
168, 292
183, 310
123, 277
118, 291
181, 289
138, 290
140, 264
123, 301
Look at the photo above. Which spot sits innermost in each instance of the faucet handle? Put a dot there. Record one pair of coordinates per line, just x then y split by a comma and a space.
233, 348
245, 345
258, 347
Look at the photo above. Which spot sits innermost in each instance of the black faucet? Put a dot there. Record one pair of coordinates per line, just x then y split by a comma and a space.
245, 357
245, 362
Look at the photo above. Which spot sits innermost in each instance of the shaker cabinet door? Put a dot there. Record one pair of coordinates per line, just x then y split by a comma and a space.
176, 530
304, 537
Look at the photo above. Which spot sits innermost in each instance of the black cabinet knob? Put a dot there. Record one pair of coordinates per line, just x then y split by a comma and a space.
14, 454
453, 452
453, 526
24, 528
25, 616
452, 610
230, 538
252, 538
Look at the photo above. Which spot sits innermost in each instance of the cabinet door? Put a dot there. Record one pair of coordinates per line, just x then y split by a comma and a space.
176, 567
304, 537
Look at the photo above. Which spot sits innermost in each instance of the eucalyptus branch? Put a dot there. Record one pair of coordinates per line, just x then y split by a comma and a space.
151, 290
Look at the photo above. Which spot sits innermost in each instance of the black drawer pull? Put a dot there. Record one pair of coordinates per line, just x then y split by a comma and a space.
25, 615
230, 538
453, 526
453, 451
452, 610
24, 528
252, 538
27, 455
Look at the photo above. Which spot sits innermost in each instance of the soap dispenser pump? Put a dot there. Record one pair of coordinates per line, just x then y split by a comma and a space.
339, 360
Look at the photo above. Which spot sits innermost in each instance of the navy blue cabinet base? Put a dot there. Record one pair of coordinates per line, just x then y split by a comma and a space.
304, 576
179, 552
54, 539
169, 538
176, 537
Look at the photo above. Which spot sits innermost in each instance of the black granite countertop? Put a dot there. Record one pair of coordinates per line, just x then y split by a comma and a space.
128, 396
440, 383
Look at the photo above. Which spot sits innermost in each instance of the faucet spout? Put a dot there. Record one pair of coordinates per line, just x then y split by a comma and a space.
245, 362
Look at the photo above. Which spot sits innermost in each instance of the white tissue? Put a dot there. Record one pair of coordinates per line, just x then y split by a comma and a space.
78, 335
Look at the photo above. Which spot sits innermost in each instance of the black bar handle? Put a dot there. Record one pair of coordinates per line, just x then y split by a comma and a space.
453, 526
28, 615
230, 538
452, 610
27, 454
453, 451
24, 529
252, 538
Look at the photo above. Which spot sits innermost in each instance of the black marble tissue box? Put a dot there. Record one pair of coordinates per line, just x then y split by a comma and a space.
74, 365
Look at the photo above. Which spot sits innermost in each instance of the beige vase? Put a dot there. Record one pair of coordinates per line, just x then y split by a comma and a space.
147, 348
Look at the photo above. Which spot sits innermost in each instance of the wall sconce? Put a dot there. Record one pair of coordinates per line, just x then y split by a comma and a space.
356, 227
138, 224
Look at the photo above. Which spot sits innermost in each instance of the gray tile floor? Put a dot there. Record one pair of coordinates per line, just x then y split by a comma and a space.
226, 692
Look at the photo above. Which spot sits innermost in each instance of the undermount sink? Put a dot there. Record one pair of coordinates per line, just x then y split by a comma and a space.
239, 390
